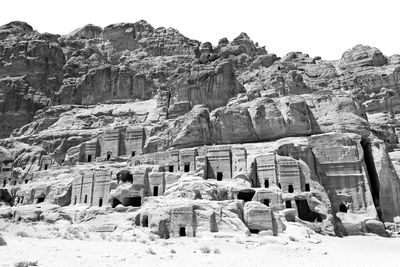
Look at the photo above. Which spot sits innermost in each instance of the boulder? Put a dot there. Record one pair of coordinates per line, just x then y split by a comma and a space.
376, 227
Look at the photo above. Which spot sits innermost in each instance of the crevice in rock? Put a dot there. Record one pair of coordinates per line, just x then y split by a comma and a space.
373, 178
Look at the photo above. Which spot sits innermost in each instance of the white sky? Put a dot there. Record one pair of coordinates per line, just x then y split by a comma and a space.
323, 28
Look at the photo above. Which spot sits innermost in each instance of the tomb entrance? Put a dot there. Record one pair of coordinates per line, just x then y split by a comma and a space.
132, 201
155, 191
115, 202
342, 207
246, 195
305, 213
182, 231
186, 168
145, 221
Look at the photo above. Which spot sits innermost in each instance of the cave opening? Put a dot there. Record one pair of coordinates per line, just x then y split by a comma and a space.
373, 178
219, 176
305, 213
246, 195
266, 202
132, 201
89, 158
115, 202
40, 199
145, 221
342, 207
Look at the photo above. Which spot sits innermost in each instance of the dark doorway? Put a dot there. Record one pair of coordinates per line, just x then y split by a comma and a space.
85, 201
115, 202
155, 191
145, 221
26, 181
137, 220
246, 195
186, 168
266, 202
219, 176
75, 199
125, 176
46, 166
40, 200
342, 207
288, 204
290, 188
108, 157
182, 231
305, 213
307, 187
100, 202
266, 183
171, 168
89, 158
163, 229
132, 201
133, 153
4, 183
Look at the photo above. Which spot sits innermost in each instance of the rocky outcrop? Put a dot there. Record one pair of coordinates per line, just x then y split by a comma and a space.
362, 56
195, 218
301, 140
266, 119
31, 70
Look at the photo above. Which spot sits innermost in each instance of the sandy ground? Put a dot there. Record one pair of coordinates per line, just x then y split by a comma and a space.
251, 251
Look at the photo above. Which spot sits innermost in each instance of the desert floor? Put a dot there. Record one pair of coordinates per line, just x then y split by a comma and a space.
249, 251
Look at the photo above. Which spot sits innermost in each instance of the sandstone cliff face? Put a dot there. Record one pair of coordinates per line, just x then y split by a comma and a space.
335, 121
30, 71
266, 119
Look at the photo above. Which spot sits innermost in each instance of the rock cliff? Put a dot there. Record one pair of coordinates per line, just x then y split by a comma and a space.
250, 140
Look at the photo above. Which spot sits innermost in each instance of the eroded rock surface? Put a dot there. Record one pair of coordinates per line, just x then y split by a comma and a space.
195, 138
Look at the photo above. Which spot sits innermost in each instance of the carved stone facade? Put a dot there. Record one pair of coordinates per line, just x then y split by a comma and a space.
187, 159
46, 162
288, 175
266, 170
5, 172
92, 188
343, 177
220, 163
110, 144
156, 183
134, 141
